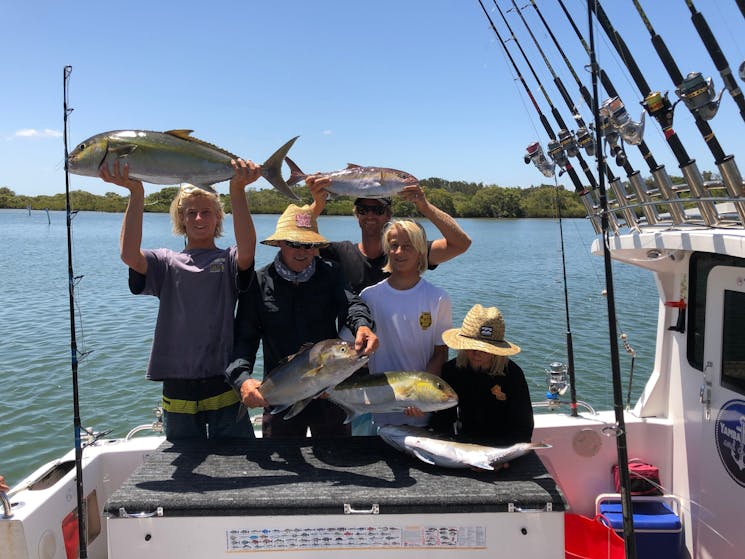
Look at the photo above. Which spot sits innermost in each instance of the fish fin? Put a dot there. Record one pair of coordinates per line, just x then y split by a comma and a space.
312, 372
123, 150
423, 457
271, 170
297, 407
481, 465
353, 166
183, 134
296, 174
242, 411
306, 346
274, 410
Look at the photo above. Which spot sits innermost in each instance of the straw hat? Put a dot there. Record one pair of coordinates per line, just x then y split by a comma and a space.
482, 330
296, 224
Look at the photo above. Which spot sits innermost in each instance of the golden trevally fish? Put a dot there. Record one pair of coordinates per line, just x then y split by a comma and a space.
308, 373
393, 391
438, 450
170, 157
358, 181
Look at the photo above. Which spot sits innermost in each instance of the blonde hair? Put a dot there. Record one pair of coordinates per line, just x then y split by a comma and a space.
417, 236
189, 192
498, 362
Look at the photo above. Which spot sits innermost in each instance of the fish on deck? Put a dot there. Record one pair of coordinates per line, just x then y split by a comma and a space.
438, 450
308, 373
170, 157
393, 391
358, 181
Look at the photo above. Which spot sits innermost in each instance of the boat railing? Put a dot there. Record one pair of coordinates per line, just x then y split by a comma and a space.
637, 205
7, 507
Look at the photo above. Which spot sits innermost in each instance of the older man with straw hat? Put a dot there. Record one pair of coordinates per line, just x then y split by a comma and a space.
297, 299
493, 397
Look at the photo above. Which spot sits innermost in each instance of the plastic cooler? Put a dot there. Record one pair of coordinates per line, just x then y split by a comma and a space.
657, 526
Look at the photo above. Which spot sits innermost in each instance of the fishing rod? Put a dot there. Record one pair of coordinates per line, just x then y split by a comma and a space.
616, 124
82, 513
565, 145
697, 93
717, 56
633, 176
535, 153
659, 107
621, 444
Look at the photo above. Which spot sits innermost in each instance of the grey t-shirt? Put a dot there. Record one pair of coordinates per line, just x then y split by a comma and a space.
198, 292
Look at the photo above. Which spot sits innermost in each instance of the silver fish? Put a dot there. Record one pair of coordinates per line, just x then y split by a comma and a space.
170, 157
308, 373
392, 392
441, 451
358, 181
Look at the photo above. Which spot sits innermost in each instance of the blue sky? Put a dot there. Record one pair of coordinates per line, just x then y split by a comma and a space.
417, 85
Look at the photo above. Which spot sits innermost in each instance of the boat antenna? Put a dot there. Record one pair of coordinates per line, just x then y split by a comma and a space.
82, 513
717, 56
620, 427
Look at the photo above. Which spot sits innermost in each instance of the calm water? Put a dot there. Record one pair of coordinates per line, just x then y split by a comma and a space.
513, 264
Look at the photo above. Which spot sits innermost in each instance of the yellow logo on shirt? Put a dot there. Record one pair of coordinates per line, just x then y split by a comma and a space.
425, 320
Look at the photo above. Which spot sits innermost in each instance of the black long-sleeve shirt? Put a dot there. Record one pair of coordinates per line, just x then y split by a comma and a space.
485, 418
285, 315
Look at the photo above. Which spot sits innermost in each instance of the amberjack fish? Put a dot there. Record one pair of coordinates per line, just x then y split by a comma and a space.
391, 392
358, 181
441, 451
170, 157
308, 373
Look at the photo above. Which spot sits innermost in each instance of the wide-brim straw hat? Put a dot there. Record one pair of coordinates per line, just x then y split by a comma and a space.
482, 330
298, 225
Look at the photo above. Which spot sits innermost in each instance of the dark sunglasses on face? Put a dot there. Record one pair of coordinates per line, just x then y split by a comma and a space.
300, 246
377, 210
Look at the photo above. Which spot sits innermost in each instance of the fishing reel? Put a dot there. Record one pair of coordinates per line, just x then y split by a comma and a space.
741, 71
568, 143
612, 138
658, 106
556, 152
557, 381
534, 153
699, 95
586, 141
631, 132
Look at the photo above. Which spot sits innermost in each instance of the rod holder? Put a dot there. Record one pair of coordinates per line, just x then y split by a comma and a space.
649, 211
667, 191
733, 183
696, 183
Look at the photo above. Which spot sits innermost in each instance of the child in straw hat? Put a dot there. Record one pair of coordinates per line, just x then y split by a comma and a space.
493, 397
297, 299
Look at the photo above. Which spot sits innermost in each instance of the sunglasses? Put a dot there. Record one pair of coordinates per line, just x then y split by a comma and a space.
301, 246
377, 210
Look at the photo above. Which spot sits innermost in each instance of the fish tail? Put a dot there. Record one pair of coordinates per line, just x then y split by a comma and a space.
272, 170
296, 175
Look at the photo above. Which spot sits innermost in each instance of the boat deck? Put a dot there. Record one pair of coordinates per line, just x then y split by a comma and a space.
321, 476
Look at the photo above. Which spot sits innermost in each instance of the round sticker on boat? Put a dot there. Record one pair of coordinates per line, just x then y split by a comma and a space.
730, 437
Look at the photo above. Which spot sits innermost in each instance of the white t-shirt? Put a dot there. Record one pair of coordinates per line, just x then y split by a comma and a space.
409, 324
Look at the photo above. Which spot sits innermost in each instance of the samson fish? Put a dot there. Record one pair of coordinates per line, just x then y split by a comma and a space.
358, 181
309, 373
441, 451
392, 392
170, 157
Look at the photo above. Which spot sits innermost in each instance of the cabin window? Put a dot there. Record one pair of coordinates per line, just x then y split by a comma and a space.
698, 273
733, 348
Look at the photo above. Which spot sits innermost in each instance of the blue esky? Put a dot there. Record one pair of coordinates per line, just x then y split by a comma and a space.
422, 86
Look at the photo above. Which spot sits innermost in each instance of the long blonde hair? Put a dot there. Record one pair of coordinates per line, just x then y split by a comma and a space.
498, 363
417, 236
189, 192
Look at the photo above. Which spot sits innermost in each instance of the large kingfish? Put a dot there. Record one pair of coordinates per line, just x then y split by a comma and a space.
358, 181
393, 391
441, 451
308, 373
170, 157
